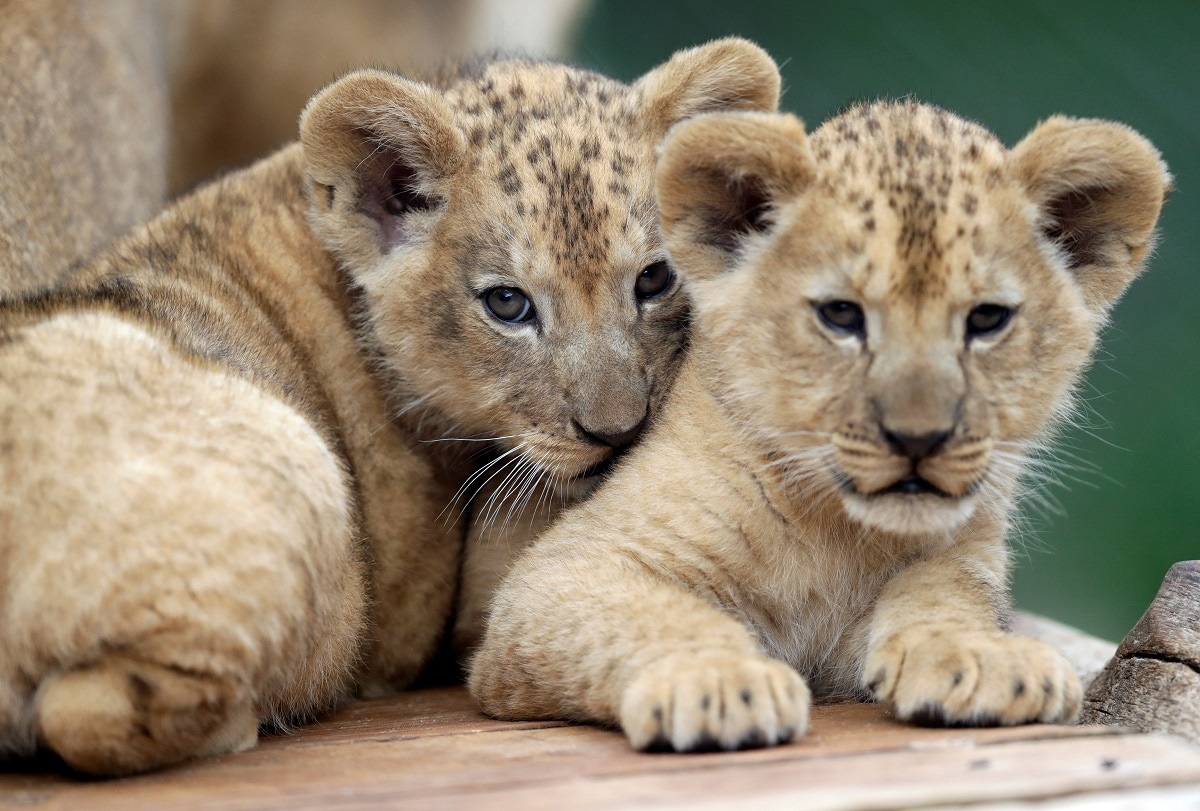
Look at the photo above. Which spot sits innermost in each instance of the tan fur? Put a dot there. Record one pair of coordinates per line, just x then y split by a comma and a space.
222, 499
752, 547
84, 97
246, 69
101, 103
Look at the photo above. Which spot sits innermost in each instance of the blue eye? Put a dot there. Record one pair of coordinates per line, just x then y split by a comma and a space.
844, 317
508, 304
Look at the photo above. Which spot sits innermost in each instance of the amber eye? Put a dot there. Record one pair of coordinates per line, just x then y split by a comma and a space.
843, 317
653, 281
508, 304
988, 319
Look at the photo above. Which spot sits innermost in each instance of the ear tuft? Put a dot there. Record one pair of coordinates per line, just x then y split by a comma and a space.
719, 177
377, 148
726, 74
1099, 186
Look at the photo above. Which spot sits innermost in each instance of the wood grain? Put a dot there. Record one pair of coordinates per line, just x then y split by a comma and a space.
430, 748
1153, 681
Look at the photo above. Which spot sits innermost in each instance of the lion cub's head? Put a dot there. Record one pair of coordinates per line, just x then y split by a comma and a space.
899, 305
503, 231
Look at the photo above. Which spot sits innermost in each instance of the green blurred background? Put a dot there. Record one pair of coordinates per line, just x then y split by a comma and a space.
1008, 64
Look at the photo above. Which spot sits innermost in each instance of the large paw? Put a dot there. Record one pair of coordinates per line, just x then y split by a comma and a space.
977, 678
122, 716
704, 701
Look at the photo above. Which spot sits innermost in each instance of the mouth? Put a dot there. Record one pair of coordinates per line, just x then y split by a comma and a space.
603, 467
913, 485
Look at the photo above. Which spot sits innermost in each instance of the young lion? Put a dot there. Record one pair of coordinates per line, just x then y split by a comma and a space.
891, 316
218, 497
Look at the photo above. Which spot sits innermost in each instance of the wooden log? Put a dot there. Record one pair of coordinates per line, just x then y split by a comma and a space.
1153, 682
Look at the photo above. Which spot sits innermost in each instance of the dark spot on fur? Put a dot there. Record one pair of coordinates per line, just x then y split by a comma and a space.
509, 180
958, 677
970, 204
1018, 688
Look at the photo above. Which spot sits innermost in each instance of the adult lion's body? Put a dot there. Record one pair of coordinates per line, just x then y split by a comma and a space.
84, 106
108, 107
891, 317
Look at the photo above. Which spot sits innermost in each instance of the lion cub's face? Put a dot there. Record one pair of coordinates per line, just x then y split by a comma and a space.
901, 306
505, 235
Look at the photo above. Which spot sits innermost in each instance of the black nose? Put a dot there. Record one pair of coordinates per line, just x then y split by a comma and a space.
615, 439
917, 446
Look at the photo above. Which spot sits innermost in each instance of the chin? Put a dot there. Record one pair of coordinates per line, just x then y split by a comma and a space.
923, 514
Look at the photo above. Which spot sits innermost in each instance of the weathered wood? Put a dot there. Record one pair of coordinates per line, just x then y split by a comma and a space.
1088, 654
1153, 681
431, 749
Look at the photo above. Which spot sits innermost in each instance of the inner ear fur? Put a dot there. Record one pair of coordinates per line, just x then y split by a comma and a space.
1099, 187
719, 177
376, 146
725, 74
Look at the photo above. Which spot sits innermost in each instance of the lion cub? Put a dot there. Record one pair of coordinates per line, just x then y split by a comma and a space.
891, 315
221, 502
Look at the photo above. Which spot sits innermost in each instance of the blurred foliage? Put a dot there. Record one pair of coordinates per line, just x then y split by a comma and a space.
1130, 505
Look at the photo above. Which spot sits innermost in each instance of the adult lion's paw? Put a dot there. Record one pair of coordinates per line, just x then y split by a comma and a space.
949, 677
697, 702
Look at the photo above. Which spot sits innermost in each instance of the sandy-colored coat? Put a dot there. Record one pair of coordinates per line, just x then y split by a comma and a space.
222, 501
84, 108
106, 107
891, 317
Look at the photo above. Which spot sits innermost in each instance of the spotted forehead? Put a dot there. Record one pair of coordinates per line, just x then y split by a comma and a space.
915, 178
566, 151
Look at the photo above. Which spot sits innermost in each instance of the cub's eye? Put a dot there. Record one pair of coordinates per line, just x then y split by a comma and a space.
508, 304
988, 319
653, 281
844, 317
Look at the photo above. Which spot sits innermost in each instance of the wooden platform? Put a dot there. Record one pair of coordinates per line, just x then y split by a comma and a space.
432, 749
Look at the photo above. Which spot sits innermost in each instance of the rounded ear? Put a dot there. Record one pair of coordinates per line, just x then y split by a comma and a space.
726, 74
719, 178
377, 148
1099, 187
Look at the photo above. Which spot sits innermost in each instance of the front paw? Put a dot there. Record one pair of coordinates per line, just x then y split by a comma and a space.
717, 700
972, 678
